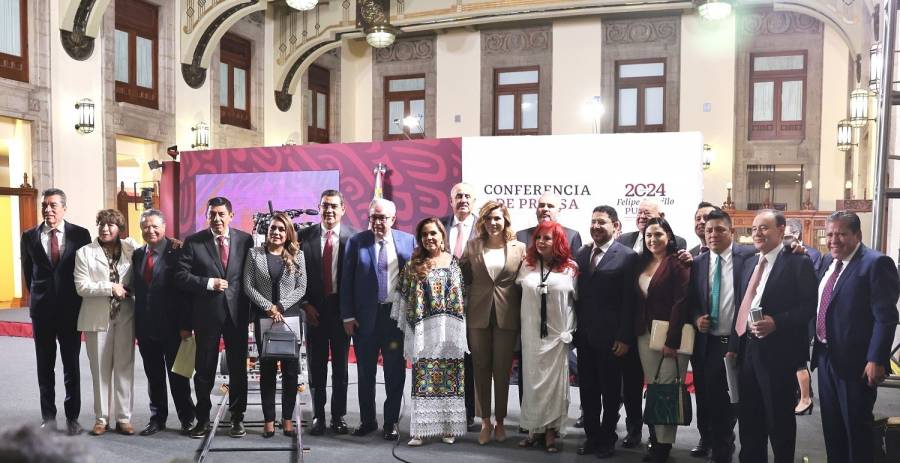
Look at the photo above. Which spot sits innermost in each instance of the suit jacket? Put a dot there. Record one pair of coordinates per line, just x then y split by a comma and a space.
628, 239
52, 288
311, 245
862, 315
92, 283
359, 285
258, 284
160, 306
606, 297
695, 251
789, 297
814, 256
501, 293
698, 300
666, 300
573, 237
198, 263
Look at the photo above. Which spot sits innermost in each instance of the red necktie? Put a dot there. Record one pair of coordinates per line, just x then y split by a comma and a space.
327, 257
826, 300
148, 267
54, 247
223, 251
744, 312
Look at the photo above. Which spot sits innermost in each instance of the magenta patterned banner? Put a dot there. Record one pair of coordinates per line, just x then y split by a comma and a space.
419, 176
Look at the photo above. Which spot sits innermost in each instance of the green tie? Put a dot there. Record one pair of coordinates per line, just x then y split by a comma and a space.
714, 294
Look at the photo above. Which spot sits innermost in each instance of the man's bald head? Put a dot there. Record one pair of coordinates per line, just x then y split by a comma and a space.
547, 207
648, 209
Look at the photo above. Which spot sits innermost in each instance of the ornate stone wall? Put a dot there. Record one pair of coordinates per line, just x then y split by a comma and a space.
229, 136
413, 55
331, 60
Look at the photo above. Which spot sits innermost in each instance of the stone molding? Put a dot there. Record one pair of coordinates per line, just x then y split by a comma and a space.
642, 31
531, 40
778, 22
406, 50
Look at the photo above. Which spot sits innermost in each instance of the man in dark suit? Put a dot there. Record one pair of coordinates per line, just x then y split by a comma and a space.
158, 309
548, 209
782, 285
323, 247
460, 226
371, 267
605, 313
855, 323
48, 263
794, 232
632, 371
714, 298
700, 214
210, 270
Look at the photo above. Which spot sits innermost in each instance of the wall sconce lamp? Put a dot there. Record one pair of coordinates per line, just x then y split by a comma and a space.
707, 156
84, 116
875, 65
859, 107
848, 189
808, 204
844, 135
728, 204
154, 164
201, 135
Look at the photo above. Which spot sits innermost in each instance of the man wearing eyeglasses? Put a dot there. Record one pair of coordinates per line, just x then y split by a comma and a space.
371, 266
323, 246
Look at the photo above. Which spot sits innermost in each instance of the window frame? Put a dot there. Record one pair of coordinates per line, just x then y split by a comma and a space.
318, 81
778, 131
9, 63
134, 21
406, 97
641, 84
517, 90
236, 52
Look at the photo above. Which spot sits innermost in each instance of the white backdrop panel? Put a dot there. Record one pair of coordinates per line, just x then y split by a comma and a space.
589, 170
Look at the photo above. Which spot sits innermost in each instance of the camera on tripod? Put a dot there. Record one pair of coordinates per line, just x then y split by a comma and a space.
262, 220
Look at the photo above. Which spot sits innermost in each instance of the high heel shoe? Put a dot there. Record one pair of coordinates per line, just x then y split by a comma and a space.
268, 434
485, 435
288, 432
806, 411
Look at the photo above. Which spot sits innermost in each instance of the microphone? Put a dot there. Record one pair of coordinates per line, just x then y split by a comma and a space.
310, 211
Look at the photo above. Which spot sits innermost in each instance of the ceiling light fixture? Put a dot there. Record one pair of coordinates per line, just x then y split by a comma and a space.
302, 5
714, 10
373, 17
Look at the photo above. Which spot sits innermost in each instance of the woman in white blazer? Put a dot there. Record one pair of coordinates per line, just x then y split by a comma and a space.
102, 278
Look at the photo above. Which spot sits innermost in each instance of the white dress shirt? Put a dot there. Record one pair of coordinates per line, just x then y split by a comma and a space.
726, 290
827, 275
335, 246
639, 243
454, 231
227, 235
604, 248
770, 257
393, 266
60, 237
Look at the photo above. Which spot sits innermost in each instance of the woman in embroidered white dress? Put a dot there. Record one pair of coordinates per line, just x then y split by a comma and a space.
548, 278
430, 314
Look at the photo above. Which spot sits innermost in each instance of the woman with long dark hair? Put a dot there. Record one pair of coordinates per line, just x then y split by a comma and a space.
663, 288
275, 281
430, 314
548, 279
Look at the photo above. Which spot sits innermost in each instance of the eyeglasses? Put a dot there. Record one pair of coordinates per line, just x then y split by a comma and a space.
379, 218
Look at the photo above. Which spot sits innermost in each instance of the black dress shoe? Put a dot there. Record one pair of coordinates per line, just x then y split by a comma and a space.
587, 448
700, 450
48, 425
186, 427
364, 429
650, 449
471, 425
152, 428
339, 426
237, 429
199, 430
579, 423
632, 440
390, 432
606, 452
73, 428
318, 427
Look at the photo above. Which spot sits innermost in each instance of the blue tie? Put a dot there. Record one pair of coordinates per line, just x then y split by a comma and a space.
381, 271
714, 296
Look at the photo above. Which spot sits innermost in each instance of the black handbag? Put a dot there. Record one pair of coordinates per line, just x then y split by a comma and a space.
280, 344
668, 404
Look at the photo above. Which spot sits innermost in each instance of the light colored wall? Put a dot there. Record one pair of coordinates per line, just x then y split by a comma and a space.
458, 93
707, 50
191, 105
356, 88
78, 162
279, 126
576, 74
834, 108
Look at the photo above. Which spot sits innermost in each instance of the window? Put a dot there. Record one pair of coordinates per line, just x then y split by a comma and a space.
404, 107
234, 81
137, 49
516, 101
781, 185
14, 40
777, 88
640, 95
319, 97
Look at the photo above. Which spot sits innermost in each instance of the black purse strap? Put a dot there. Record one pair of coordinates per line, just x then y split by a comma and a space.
291, 330
677, 369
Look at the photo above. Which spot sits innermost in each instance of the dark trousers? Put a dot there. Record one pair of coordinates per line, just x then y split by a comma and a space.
388, 340
328, 336
698, 365
158, 356
469, 385
719, 411
267, 372
206, 360
766, 410
599, 379
46, 334
633, 390
847, 419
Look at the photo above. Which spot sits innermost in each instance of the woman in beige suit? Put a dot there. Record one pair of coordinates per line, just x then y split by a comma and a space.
490, 264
